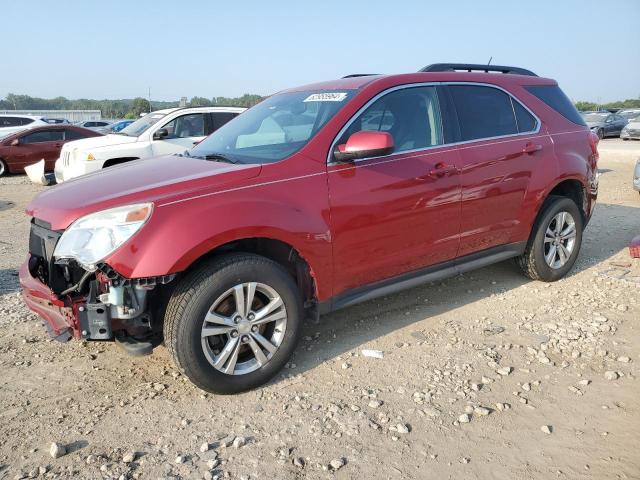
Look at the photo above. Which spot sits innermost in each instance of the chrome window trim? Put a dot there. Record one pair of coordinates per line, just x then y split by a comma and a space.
353, 118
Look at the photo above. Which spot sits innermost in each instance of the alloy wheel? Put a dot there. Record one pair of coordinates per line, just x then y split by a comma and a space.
559, 240
244, 328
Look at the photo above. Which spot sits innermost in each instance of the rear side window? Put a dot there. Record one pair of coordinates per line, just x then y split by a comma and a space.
14, 121
556, 99
483, 112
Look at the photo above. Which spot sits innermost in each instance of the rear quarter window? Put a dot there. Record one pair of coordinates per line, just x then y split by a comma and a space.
556, 99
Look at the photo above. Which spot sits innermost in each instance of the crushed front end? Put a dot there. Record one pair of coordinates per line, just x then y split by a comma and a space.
91, 304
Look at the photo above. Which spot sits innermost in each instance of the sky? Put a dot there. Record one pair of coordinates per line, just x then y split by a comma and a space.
121, 48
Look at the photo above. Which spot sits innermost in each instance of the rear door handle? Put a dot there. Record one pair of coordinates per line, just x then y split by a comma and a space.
442, 170
531, 148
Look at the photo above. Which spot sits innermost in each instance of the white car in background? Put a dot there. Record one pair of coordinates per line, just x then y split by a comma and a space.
162, 132
14, 123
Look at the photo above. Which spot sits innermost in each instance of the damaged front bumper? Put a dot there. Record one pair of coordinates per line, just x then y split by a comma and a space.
60, 317
92, 305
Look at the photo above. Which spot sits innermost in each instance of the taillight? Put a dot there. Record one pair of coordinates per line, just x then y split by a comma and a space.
593, 143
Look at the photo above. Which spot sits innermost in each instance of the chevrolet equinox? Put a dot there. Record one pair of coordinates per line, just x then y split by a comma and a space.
315, 199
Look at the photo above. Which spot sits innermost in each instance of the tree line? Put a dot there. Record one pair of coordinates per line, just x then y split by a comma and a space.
125, 108
132, 108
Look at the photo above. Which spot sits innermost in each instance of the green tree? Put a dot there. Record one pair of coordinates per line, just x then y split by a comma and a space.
199, 102
140, 105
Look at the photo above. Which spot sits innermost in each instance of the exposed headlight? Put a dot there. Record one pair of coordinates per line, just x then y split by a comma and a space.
93, 237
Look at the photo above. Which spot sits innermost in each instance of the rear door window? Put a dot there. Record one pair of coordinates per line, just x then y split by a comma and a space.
218, 119
43, 136
70, 134
483, 112
14, 121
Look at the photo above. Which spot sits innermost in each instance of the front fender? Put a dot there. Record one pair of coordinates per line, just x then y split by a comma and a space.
295, 212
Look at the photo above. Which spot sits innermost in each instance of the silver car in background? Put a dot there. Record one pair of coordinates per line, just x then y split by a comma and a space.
636, 176
631, 130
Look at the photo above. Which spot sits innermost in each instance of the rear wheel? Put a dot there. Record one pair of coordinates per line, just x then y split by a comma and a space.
3, 168
233, 323
555, 241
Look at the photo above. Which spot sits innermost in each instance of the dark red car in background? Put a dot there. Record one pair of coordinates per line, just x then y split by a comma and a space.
26, 147
317, 198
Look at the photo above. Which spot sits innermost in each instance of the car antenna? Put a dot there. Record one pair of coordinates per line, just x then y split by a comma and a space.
489, 62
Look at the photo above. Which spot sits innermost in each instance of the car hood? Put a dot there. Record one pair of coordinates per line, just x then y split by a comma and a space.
102, 141
634, 125
158, 180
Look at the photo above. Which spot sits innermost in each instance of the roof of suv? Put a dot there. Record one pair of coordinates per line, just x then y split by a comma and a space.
360, 81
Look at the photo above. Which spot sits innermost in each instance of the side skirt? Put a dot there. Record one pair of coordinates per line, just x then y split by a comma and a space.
433, 273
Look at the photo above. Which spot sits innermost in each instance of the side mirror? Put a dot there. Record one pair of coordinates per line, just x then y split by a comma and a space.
15, 142
364, 144
160, 134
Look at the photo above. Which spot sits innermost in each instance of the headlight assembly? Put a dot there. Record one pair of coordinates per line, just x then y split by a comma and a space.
95, 236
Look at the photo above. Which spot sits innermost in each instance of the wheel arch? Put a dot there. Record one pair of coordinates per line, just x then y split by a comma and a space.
283, 253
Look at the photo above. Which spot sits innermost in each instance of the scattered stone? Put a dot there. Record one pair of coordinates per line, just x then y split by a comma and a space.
346, 365
336, 463
482, 411
502, 406
584, 382
57, 450
504, 371
298, 462
375, 403
402, 428
526, 387
464, 418
181, 459
466, 460
129, 457
624, 359
213, 463
239, 442
611, 375
42, 470
205, 447
547, 429
476, 387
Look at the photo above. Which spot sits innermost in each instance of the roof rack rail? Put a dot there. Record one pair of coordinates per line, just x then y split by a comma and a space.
475, 67
353, 75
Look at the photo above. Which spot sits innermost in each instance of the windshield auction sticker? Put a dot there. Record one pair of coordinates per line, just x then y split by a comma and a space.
326, 97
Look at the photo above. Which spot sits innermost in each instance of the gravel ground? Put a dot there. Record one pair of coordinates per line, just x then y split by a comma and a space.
486, 375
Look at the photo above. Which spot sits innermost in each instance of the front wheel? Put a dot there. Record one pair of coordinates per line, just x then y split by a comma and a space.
555, 241
233, 323
3, 168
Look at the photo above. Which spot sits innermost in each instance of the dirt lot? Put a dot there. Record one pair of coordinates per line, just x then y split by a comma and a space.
474, 369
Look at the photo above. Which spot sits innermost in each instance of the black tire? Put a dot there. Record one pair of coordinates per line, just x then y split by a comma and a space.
600, 133
192, 299
3, 168
533, 262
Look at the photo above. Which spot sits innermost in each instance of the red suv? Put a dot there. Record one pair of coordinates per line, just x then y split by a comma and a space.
315, 199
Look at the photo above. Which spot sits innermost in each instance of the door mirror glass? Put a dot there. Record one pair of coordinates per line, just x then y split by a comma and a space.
364, 144
15, 142
160, 134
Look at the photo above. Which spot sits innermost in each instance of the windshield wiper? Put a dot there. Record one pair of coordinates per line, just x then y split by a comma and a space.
216, 157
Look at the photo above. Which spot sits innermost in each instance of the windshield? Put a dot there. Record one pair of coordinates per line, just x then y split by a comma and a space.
138, 127
275, 128
595, 117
